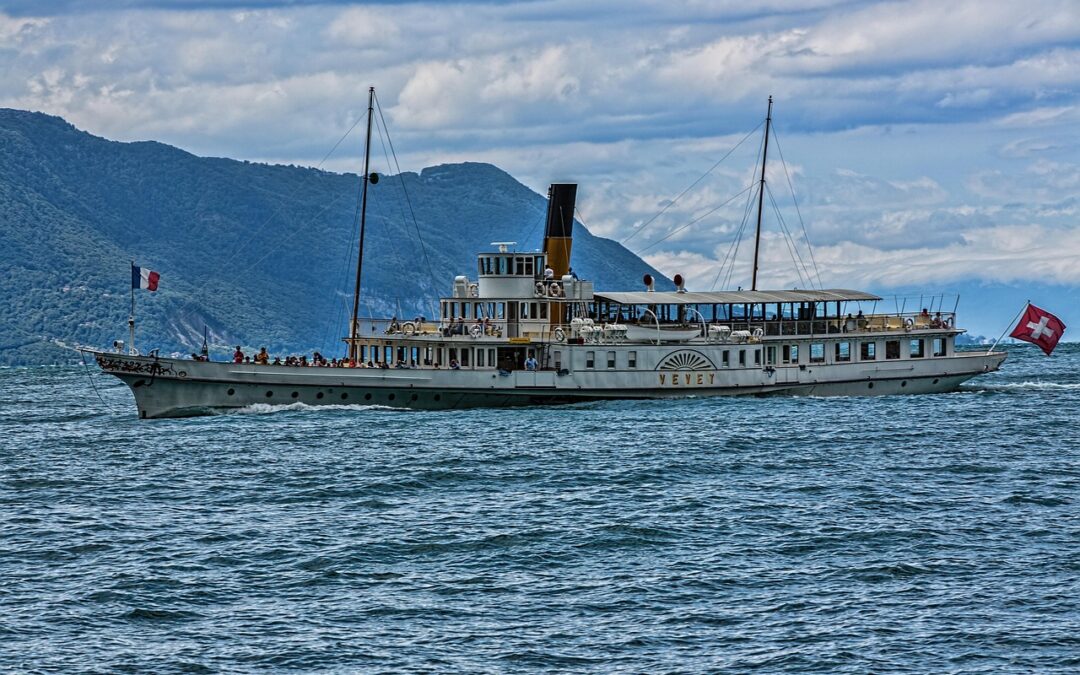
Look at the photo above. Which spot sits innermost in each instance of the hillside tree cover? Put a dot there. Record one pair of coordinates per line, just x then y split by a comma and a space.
256, 254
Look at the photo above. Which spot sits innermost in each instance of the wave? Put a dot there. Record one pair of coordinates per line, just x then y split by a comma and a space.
1029, 386
268, 408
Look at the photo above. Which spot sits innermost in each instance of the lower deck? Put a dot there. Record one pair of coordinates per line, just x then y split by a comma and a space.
173, 387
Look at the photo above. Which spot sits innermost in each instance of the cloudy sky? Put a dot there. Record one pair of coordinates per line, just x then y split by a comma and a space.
928, 142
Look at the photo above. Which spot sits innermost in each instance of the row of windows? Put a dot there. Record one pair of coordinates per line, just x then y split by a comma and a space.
590, 359
867, 351
518, 265
631, 358
492, 310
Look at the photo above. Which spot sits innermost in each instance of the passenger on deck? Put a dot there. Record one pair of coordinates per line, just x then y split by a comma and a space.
938, 322
573, 273
277, 360
530, 363
238, 355
924, 315
262, 358
454, 365
860, 320
850, 323
549, 274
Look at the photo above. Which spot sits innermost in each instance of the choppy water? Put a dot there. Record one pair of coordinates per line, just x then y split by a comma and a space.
894, 534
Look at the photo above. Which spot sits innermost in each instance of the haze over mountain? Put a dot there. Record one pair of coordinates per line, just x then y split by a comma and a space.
259, 254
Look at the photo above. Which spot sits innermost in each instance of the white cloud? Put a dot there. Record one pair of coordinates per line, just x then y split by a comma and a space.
913, 127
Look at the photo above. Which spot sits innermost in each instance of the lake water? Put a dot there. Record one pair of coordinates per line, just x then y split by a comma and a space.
895, 534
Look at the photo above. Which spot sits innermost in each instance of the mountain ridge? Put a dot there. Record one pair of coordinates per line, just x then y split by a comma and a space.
256, 253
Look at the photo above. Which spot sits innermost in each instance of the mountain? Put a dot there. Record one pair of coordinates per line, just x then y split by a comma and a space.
257, 254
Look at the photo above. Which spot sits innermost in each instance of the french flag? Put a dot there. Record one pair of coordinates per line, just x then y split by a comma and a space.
142, 277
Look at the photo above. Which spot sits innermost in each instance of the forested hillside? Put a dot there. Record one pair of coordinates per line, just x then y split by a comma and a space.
258, 254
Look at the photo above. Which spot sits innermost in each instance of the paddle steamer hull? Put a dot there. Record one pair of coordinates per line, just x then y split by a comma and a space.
165, 387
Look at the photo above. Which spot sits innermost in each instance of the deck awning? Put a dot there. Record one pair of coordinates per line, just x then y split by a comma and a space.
733, 297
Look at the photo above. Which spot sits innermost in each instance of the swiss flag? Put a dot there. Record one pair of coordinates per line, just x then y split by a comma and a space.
1039, 327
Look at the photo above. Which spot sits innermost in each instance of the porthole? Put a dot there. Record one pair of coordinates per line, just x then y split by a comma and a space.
231, 391
904, 383
438, 397
296, 394
269, 394
870, 386
413, 397
319, 395
344, 395
367, 396
935, 380
390, 397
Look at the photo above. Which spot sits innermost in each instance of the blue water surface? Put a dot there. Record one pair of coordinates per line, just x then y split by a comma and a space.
896, 534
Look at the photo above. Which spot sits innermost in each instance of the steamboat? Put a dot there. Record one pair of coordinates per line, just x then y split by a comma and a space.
522, 330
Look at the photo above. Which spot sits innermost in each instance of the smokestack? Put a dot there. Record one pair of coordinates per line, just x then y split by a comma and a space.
559, 234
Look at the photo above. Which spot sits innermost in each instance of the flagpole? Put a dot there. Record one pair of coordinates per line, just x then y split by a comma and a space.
1022, 310
131, 316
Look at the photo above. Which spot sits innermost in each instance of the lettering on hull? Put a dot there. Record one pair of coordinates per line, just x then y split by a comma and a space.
677, 379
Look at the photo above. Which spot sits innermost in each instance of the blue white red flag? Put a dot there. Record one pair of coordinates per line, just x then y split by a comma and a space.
142, 277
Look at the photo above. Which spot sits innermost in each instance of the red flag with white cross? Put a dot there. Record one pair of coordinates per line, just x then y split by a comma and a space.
1039, 327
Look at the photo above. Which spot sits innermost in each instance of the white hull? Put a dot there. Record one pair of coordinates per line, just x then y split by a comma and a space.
166, 387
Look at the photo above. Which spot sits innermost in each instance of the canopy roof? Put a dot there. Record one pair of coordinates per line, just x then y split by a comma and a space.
732, 297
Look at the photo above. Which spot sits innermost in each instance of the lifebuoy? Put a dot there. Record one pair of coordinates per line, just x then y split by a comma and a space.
408, 328
758, 333
560, 335
554, 289
476, 331
949, 322
909, 323
539, 287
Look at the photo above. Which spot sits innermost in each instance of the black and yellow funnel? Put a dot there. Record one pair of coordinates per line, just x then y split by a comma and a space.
559, 234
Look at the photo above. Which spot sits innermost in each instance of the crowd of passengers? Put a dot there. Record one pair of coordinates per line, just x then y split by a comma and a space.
262, 358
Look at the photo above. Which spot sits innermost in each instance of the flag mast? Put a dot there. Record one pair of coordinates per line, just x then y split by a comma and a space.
353, 349
1009, 325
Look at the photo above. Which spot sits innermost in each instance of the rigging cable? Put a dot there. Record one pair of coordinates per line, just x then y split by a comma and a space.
733, 250
789, 241
695, 220
806, 236
690, 187
343, 274
408, 200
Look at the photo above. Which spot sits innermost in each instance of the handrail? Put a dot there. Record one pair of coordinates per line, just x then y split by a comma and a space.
657, 320
704, 324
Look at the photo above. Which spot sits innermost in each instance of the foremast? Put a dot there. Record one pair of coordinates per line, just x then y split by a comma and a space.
355, 323
761, 197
